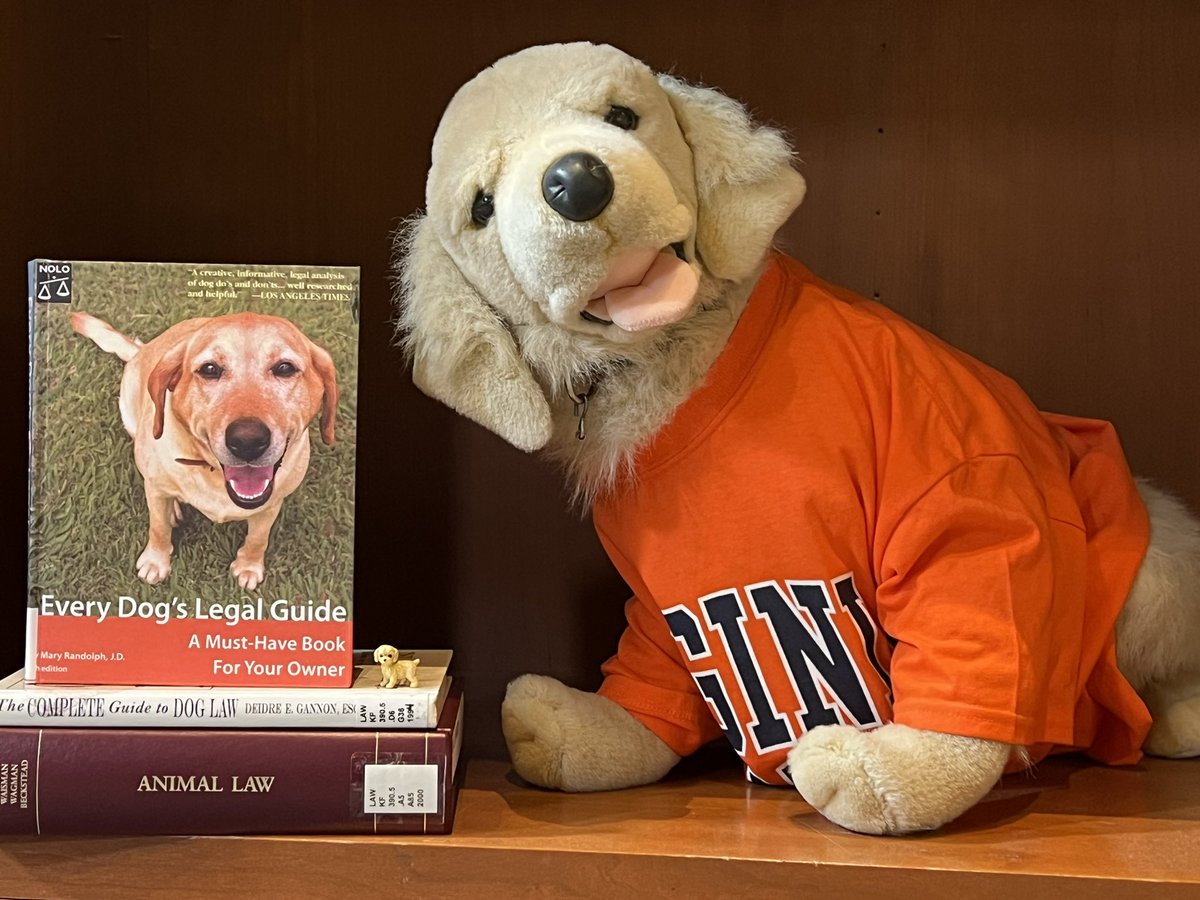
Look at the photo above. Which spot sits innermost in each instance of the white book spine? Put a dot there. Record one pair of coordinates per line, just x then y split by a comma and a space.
159, 707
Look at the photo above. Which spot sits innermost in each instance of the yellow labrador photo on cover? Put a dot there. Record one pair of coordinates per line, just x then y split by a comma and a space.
219, 409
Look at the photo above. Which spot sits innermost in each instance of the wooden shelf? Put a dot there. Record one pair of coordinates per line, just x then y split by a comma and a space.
1074, 830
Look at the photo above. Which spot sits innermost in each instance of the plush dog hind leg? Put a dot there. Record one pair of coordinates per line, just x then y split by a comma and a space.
1158, 632
571, 740
895, 779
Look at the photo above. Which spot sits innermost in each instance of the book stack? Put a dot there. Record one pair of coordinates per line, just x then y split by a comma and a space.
89, 759
191, 527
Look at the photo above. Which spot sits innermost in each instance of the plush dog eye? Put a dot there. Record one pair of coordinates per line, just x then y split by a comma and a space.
622, 117
210, 371
283, 369
482, 209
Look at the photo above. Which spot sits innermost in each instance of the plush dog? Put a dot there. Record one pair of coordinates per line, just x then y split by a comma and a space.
215, 406
859, 554
396, 671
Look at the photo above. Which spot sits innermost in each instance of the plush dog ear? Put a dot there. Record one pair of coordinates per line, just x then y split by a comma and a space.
164, 377
745, 184
462, 353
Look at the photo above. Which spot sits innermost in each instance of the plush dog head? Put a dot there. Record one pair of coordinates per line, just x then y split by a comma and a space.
577, 207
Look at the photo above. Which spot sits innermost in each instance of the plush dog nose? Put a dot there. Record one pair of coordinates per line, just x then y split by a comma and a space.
578, 186
247, 438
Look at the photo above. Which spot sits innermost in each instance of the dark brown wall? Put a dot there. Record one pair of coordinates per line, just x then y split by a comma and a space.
1020, 177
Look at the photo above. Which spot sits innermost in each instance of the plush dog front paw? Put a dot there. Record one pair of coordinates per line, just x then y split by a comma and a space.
572, 740
153, 566
895, 779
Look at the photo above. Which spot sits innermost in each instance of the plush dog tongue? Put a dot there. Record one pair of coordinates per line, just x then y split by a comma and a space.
249, 482
644, 289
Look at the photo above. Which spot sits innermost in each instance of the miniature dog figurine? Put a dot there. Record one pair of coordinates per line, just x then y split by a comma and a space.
396, 671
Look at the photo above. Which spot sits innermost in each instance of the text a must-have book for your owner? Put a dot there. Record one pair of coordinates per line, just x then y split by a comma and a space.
192, 451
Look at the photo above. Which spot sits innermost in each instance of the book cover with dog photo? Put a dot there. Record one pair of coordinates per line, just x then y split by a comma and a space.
191, 473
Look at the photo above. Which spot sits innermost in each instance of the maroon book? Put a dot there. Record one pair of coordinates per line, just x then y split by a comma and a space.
209, 781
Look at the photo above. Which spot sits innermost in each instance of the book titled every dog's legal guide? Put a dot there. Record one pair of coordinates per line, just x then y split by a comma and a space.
191, 473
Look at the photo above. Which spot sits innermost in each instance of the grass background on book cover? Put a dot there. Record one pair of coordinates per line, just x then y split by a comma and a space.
88, 516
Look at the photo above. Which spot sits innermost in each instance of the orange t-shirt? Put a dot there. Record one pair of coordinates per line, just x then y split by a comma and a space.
852, 522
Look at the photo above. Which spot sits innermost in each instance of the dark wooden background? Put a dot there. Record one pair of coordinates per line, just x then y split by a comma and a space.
1021, 177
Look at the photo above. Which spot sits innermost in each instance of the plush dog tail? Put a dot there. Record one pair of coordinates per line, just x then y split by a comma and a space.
105, 336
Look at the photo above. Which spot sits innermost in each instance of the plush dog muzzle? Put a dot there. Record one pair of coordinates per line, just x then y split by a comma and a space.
596, 237
644, 288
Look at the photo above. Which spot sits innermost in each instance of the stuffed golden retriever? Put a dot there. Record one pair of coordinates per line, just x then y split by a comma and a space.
861, 556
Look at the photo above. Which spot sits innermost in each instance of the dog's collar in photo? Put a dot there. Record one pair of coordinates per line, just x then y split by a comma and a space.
194, 462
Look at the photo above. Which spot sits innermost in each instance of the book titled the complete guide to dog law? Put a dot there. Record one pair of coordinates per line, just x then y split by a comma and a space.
191, 473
